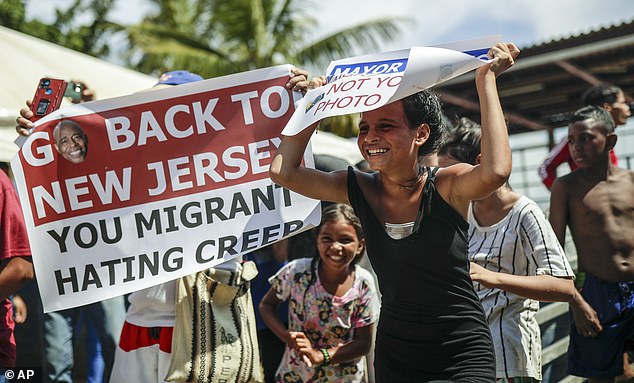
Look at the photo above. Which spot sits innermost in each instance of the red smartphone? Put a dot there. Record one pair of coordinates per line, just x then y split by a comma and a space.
48, 97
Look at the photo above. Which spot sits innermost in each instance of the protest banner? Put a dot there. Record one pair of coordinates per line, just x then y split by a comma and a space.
363, 83
129, 192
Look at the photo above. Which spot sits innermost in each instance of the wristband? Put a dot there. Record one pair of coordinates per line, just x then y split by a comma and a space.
326, 355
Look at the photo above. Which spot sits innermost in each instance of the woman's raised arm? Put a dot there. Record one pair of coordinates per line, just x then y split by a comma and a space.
287, 170
495, 164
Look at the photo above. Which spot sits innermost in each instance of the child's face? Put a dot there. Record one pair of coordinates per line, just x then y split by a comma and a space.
338, 244
587, 143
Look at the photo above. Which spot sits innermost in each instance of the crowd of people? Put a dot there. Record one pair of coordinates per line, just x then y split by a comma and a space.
459, 262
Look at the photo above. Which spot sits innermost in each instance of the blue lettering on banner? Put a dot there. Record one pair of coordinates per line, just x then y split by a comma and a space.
478, 53
368, 68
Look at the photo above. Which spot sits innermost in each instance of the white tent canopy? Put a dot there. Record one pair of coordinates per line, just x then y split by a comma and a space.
26, 59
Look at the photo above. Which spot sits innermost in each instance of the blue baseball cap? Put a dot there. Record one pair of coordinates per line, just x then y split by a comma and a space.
178, 77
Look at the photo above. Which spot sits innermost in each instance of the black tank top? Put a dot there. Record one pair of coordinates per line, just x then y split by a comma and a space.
432, 322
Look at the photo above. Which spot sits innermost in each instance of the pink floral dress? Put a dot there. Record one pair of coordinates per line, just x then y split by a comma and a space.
326, 319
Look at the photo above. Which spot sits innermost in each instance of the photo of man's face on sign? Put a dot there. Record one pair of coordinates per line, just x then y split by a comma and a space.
70, 141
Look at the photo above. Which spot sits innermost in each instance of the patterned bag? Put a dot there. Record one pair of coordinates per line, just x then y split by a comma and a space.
215, 338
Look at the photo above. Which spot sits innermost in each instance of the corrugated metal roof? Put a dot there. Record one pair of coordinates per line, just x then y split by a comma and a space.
546, 84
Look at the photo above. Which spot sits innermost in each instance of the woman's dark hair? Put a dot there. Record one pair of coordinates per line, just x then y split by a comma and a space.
600, 94
424, 107
463, 141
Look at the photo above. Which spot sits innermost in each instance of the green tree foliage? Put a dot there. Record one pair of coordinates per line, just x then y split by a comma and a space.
218, 37
91, 38
12, 13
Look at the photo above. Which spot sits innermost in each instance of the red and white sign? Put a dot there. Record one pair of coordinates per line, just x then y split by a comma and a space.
138, 190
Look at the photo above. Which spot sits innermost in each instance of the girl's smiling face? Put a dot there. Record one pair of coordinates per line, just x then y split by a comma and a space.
338, 244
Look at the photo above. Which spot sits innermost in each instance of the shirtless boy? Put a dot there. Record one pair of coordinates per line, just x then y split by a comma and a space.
596, 201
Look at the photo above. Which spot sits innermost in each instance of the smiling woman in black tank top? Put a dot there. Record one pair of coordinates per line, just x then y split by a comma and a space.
432, 325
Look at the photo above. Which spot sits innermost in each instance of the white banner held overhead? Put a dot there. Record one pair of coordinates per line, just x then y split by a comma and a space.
363, 83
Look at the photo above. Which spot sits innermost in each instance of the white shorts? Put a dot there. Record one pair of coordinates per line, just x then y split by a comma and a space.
143, 354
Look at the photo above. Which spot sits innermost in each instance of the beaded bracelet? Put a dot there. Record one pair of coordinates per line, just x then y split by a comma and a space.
326, 355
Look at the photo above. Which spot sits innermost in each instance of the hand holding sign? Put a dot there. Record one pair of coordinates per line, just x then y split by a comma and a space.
503, 57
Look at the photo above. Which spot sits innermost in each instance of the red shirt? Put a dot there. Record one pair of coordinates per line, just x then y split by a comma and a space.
14, 242
557, 156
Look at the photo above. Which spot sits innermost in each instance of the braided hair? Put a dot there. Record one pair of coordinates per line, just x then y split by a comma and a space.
463, 141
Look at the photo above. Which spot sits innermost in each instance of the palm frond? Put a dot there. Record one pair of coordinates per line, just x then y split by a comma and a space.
226, 36
156, 33
357, 39
346, 125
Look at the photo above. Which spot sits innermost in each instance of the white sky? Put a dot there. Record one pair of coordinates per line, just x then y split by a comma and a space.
524, 22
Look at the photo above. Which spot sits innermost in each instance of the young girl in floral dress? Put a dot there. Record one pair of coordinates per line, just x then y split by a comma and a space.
333, 305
